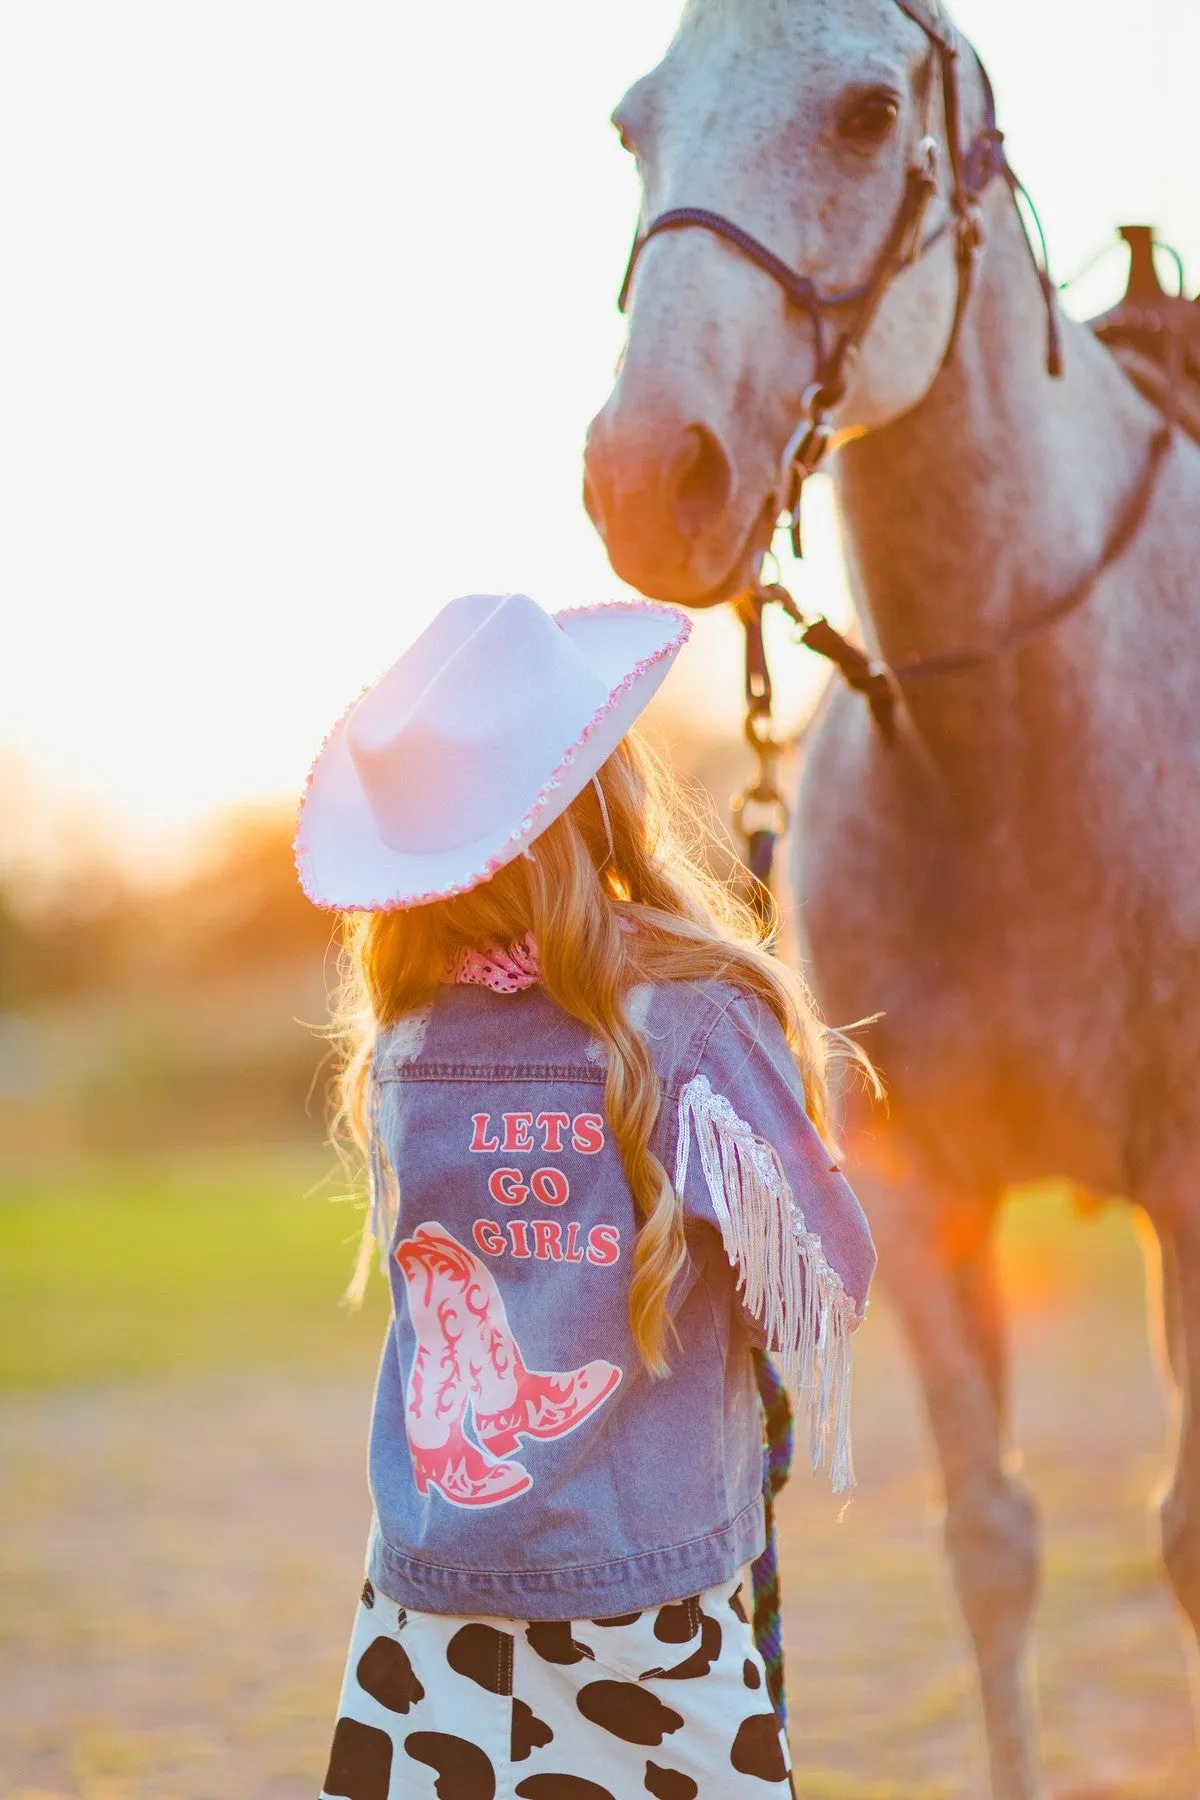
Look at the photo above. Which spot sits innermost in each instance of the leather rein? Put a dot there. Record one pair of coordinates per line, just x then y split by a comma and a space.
972, 168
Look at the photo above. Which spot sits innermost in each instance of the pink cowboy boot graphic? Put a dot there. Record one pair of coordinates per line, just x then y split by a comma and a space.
541, 1405
467, 1356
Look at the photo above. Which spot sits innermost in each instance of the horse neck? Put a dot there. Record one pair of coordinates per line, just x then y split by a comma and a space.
988, 500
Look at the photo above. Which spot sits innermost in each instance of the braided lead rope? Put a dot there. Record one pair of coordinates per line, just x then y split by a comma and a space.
778, 1441
759, 837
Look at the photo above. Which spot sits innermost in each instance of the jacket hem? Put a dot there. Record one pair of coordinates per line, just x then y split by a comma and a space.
598, 1590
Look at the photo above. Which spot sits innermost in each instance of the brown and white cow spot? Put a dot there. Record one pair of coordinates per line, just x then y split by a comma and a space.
676, 1622
528, 1731
630, 1712
484, 1655
669, 1784
463, 1771
700, 1661
562, 1787
385, 1673
360, 1762
552, 1641
757, 1748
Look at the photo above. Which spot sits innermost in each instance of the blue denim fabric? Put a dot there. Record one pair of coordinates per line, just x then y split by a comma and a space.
655, 1493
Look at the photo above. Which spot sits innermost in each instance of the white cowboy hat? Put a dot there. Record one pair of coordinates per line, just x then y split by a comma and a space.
478, 738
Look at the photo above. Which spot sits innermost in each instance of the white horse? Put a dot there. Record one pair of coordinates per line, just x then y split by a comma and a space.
1014, 882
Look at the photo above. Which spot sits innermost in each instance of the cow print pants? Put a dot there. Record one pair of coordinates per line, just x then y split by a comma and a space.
670, 1702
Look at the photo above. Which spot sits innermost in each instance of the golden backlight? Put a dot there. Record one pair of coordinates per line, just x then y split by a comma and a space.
306, 312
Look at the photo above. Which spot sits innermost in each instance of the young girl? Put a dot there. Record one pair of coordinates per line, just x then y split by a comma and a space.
591, 1104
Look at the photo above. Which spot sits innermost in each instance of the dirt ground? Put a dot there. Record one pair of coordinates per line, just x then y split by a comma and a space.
179, 1560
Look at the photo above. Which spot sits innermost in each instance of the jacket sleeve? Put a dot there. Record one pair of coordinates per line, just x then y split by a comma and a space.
750, 1161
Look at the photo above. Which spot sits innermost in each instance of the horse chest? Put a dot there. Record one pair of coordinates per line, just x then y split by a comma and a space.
996, 963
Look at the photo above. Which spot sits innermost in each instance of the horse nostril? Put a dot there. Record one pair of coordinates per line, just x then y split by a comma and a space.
700, 480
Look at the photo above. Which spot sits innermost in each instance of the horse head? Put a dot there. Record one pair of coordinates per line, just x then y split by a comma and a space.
801, 122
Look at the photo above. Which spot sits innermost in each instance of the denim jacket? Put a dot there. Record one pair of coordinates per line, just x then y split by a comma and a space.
523, 1464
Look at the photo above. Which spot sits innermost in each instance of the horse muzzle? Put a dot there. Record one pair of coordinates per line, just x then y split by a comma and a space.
664, 496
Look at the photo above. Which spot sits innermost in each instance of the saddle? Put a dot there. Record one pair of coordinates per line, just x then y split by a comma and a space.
1155, 336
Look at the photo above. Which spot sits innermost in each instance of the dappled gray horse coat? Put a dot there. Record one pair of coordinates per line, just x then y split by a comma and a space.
1015, 885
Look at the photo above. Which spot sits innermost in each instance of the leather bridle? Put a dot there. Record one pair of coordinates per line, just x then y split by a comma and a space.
972, 169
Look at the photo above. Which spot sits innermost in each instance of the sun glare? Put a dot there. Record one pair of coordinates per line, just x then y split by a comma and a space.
307, 315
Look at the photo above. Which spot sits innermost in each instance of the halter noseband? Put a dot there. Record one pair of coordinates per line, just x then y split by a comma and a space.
971, 171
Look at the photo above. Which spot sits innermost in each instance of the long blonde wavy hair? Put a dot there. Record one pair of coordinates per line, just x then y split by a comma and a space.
571, 891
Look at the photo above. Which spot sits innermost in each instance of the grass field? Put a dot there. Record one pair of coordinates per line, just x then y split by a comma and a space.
200, 1263
182, 1506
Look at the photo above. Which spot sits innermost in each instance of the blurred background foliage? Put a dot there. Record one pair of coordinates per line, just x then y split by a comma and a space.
136, 1018
169, 1197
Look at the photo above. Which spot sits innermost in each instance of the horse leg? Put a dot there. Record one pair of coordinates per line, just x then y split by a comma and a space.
1179, 1326
976, 1273
940, 1271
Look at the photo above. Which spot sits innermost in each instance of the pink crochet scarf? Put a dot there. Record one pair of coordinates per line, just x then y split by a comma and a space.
504, 971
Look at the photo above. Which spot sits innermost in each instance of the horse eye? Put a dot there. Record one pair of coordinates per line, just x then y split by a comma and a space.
870, 118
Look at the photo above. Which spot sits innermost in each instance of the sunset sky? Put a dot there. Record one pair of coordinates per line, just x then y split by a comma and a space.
306, 309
